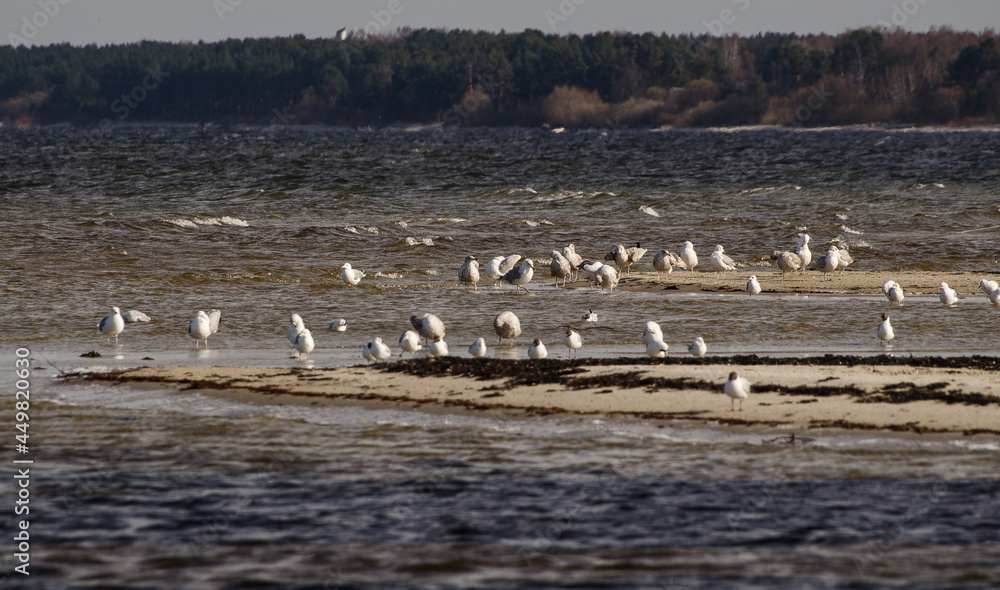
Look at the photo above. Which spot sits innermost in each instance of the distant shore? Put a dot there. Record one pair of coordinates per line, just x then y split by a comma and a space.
949, 397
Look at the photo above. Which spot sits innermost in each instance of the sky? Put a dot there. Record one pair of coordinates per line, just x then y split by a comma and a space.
41, 22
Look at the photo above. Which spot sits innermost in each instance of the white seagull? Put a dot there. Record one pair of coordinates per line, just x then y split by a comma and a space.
689, 256
295, 325
338, 325
698, 348
428, 325
607, 278
590, 316
492, 270
885, 333
830, 262
520, 275
893, 292
350, 276
200, 328
478, 348
469, 272
948, 295
112, 325
537, 350
787, 261
656, 349
560, 268
651, 331
737, 388
988, 287
591, 267
573, 342
664, 263
367, 352
134, 315
439, 347
507, 325
719, 261
803, 251
304, 343
995, 296
574, 259
409, 342
380, 350
753, 285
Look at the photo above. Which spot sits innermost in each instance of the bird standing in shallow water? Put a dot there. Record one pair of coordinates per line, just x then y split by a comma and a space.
439, 347
469, 272
304, 343
200, 328
698, 348
507, 325
651, 331
295, 325
112, 325
884, 332
948, 295
520, 275
409, 342
478, 348
349, 275
537, 350
573, 342
737, 388
753, 285
656, 349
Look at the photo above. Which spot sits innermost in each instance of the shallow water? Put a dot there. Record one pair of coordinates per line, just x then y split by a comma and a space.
145, 488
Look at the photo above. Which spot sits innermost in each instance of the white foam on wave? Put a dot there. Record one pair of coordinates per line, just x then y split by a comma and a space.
442, 220
842, 216
207, 221
388, 275
768, 189
357, 229
418, 241
649, 210
848, 230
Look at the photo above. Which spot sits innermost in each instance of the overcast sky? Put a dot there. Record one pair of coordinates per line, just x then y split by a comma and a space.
117, 21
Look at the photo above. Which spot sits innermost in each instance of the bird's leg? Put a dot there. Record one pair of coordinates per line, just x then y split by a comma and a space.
732, 404
741, 405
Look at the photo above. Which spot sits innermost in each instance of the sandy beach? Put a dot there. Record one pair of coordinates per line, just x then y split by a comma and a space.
957, 396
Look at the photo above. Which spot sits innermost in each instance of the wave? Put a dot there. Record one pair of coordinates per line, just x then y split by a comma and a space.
409, 241
848, 230
208, 221
387, 275
441, 220
649, 210
357, 229
768, 189
530, 223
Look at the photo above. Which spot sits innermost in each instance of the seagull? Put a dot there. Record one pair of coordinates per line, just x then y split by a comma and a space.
507, 325
409, 342
619, 256
803, 251
469, 272
607, 278
537, 350
428, 325
134, 315
304, 343
492, 270
573, 342
845, 259
948, 295
720, 261
350, 276
688, 255
634, 254
591, 267
651, 331
753, 285
787, 261
664, 263
698, 348
214, 319
995, 296
439, 347
200, 328
339, 325
830, 262
589, 316
656, 349
112, 325
988, 287
295, 325
520, 275
574, 259
508, 263
893, 292
380, 350
367, 352
478, 348
737, 388
560, 268
885, 333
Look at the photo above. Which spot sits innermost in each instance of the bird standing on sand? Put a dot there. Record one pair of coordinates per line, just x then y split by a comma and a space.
995, 296
350, 276
698, 348
803, 251
664, 263
469, 272
409, 342
633, 255
574, 259
478, 348
893, 292
737, 388
719, 261
428, 325
520, 275
688, 255
607, 278
303, 344
753, 285
560, 268
829, 262
948, 295
591, 267
787, 261
112, 325
537, 350
507, 325
884, 332
573, 342
987, 287
439, 347
618, 256
380, 350
844, 259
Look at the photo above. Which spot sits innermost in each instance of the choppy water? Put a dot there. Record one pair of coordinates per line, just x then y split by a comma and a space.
148, 488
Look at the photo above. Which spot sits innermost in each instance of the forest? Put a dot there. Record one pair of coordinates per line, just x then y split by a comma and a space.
457, 77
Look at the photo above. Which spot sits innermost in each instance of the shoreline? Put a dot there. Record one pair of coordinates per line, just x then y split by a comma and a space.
957, 396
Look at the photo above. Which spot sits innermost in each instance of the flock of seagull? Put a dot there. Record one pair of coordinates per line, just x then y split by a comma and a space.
566, 265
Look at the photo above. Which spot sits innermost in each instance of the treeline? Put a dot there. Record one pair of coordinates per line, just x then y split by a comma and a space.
477, 78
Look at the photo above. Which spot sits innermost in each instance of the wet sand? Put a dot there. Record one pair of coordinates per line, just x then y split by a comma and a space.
955, 396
